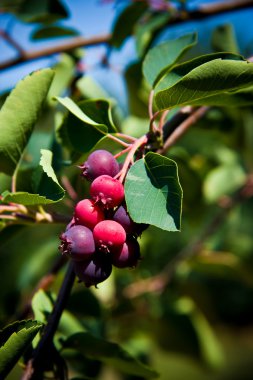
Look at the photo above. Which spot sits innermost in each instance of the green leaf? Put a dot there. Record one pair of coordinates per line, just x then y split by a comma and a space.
18, 116
124, 24
194, 80
224, 39
109, 353
239, 98
137, 103
86, 124
153, 192
145, 31
161, 58
41, 11
14, 339
53, 32
44, 181
78, 113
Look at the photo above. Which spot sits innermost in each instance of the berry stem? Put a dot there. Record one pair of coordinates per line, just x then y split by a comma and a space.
114, 138
139, 142
41, 354
127, 137
122, 152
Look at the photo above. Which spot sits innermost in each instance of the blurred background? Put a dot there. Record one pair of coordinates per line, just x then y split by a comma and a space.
187, 310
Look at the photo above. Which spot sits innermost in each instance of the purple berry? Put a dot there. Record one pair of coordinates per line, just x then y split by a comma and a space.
122, 217
99, 162
78, 243
94, 271
128, 256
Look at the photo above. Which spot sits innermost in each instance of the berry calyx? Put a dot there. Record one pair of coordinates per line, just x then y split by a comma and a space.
99, 162
109, 236
128, 256
107, 191
77, 243
88, 214
94, 271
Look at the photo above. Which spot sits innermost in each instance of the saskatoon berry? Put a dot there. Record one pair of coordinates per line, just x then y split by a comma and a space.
88, 213
78, 243
109, 235
121, 216
71, 224
107, 191
99, 162
94, 271
128, 256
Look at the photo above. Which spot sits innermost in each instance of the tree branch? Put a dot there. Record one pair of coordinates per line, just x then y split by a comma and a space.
74, 43
43, 352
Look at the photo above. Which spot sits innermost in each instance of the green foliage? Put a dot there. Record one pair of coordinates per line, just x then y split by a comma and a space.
164, 314
124, 24
109, 353
19, 114
14, 340
153, 192
201, 78
161, 58
53, 32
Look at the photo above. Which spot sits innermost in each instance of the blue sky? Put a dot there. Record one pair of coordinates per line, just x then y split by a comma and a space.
92, 17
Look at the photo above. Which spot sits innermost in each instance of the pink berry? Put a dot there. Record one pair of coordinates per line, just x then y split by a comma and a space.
77, 243
99, 162
109, 235
107, 191
128, 256
88, 213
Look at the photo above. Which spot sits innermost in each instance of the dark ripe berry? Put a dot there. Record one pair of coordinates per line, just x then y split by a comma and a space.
94, 271
77, 243
121, 216
88, 213
107, 191
128, 256
109, 235
99, 162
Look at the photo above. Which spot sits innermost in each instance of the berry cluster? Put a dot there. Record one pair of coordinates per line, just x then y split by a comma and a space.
101, 233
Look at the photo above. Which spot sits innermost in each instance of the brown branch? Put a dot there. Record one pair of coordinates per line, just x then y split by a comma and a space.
195, 115
74, 43
159, 282
12, 42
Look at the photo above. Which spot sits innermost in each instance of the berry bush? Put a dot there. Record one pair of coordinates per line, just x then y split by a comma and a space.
126, 192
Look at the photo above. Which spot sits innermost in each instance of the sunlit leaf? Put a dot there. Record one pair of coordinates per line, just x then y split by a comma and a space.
153, 192
162, 57
19, 114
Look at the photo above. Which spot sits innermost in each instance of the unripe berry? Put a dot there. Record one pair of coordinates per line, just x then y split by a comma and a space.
94, 271
78, 243
128, 256
99, 162
109, 235
107, 191
88, 213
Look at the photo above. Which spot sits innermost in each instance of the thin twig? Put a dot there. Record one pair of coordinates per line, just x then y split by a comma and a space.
182, 128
